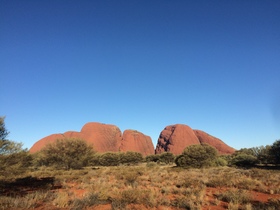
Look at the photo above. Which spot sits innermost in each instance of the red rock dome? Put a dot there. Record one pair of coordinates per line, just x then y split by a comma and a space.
104, 138
136, 141
175, 138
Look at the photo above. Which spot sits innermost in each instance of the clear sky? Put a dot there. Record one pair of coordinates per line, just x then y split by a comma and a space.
141, 64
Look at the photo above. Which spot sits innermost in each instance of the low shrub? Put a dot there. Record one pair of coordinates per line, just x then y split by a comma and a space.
167, 158
130, 158
109, 159
152, 158
244, 160
65, 154
91, 199
197, 156
235, 196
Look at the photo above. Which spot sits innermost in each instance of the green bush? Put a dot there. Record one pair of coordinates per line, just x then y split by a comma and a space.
264, 155
65, 153
244, 160
130, 158
117, 158
109, 159
275, 152
221, 161
13, 159
197, 156
152, 158
167, 158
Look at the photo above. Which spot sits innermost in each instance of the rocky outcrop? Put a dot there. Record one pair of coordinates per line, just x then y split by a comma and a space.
175, 138
136, 141
104, 138
205, 138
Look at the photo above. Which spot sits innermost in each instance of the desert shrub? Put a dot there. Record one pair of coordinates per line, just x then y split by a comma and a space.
109, 159
91, 199
62, 200
197, 156
28, 201
13, 159
152, 158
247, 151
271, 204
264, 155
275, 152
181, 160
65, 153
221, 161
243, 160
130, 158
148, 198
15, 164
167, 158
226, 157
95, 160
129, 176
235, 196
184, 203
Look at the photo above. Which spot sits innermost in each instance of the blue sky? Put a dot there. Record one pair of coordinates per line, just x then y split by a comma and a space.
143, 65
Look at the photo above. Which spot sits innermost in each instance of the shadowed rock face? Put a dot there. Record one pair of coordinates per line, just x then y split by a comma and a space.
136, 141
175, 138
104, 138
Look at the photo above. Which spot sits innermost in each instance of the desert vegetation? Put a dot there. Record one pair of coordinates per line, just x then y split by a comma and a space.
69, 174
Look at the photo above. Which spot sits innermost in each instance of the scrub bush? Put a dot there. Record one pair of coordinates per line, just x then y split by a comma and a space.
197, 156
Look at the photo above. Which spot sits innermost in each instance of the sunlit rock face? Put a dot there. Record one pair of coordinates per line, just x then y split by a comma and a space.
175, 138
104, 138
136, 141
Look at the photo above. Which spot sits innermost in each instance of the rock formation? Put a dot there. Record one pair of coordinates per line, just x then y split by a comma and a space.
136, 141
205, 138
175, 138
104, 138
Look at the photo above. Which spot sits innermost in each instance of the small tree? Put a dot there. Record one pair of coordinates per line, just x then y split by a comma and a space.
66, 153
197, 156
264, 155
3, 131
13, 159
244, 160
275, 152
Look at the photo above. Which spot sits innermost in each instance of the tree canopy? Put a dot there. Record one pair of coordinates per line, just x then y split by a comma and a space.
66, 154
13, 159
197, 156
